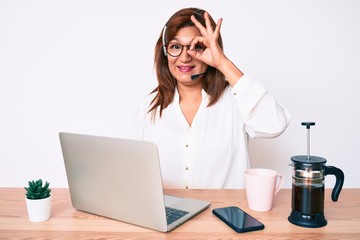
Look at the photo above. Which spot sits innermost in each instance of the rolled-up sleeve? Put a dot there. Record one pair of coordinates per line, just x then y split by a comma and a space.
263, 116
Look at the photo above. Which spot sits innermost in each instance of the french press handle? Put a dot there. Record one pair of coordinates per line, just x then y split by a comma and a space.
330, 170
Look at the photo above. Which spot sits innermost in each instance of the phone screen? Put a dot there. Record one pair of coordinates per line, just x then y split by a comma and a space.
237, 219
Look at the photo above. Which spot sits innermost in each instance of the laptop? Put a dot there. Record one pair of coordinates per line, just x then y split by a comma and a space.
121, 179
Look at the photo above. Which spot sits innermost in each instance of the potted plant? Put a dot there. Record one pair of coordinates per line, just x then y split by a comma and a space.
38, 201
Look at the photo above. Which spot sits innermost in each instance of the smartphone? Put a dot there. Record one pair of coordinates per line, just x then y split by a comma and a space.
237, 219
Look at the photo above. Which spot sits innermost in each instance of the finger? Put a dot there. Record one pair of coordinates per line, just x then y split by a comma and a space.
208, 23
199, 26
194, 54
198, 40
218, 27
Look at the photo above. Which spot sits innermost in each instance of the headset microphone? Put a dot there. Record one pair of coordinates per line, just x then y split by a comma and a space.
193, 77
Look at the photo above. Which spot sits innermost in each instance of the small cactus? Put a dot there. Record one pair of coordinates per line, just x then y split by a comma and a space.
36, 190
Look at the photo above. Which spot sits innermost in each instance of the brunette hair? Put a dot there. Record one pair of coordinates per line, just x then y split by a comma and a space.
213, 81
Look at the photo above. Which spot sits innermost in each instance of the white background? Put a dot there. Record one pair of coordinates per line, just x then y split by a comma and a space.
83, 66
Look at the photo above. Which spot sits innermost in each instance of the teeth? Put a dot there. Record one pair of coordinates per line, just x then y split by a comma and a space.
185, 68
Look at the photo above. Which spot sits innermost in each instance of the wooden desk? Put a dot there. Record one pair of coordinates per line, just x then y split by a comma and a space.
67, 223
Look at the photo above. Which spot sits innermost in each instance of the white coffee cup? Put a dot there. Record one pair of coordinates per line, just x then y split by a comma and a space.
261, 188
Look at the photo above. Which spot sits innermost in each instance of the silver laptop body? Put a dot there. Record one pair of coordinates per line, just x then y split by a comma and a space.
121, 179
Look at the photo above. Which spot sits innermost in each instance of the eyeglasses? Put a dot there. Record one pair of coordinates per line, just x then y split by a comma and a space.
174, 49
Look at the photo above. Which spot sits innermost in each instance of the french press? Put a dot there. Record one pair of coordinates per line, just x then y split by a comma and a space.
308, 187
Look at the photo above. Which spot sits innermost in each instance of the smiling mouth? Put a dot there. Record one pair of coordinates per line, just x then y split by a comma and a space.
185, 68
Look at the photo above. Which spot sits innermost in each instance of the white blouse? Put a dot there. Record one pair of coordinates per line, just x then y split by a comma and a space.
213, 151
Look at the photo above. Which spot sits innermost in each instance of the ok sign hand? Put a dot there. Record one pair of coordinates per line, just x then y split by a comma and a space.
213, 54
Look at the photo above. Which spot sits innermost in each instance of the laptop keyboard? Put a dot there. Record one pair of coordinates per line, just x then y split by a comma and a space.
173, 214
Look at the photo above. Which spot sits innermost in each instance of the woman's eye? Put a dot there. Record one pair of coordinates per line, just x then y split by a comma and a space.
199, 47
175, 46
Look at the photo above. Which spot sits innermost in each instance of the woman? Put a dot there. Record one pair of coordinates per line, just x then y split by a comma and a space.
204, 107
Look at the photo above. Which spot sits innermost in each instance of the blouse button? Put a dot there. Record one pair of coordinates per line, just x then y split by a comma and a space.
186, 168
187, 145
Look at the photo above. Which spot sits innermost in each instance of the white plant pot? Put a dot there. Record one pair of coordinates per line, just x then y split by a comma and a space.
38, 209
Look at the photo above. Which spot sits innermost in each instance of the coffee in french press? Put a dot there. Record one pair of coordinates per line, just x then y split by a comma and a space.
308, 187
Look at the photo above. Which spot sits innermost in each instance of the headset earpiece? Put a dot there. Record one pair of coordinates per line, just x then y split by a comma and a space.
163, 40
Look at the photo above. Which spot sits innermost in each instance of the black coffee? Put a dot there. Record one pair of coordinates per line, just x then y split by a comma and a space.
308, 199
